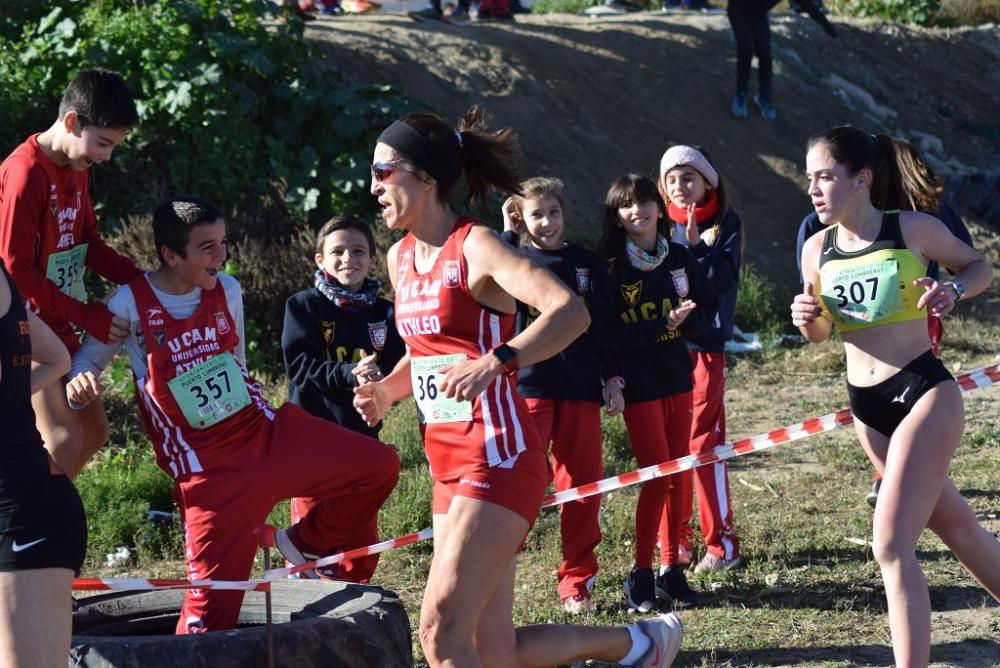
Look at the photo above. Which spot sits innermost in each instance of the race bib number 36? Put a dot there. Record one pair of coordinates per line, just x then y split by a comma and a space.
434, 407
210, 392
65, 269
864, 293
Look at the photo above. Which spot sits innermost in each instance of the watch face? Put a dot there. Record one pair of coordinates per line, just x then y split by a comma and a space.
504, 353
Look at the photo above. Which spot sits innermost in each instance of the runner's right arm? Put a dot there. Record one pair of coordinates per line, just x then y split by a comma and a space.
94, 355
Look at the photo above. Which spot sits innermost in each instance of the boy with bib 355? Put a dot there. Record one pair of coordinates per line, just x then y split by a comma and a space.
231, 454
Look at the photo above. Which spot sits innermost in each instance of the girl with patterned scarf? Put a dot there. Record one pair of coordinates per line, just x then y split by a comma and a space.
647, 297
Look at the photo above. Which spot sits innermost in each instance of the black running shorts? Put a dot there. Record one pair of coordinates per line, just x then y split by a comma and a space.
884, 405
42, 523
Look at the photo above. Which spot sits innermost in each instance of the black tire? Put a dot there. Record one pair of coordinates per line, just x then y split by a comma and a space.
316, 623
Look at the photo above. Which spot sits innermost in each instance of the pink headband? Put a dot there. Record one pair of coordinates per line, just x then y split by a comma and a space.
680, 155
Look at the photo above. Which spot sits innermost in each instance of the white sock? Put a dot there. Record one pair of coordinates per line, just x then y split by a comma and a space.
640, 645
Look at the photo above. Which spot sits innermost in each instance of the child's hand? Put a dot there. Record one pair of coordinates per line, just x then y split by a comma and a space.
693, 235
83, 389
512, 221
680, 314
614, 400
805, 307
119, 329
372, 402
366, 370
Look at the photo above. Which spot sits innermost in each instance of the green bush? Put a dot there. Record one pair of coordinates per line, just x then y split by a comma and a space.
234, 105
921, 12
757, 307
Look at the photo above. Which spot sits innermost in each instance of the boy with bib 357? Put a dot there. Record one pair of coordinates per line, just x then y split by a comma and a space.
231, 454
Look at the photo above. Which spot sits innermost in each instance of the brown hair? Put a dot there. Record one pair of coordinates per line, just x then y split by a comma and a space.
538, 187
922, 187
345, 222
623, 192
489, 158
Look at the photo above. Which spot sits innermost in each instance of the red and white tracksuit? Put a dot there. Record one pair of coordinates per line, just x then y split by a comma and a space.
229, 475
708, 430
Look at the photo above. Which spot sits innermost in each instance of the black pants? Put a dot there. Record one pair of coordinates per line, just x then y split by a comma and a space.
753, 38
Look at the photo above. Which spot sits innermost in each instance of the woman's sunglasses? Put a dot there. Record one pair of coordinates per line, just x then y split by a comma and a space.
383, 170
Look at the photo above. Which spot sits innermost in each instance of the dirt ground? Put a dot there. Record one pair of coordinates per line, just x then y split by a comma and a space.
594, 98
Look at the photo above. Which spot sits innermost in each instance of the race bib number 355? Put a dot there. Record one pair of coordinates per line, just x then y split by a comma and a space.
432, 406
210, 392
65, 269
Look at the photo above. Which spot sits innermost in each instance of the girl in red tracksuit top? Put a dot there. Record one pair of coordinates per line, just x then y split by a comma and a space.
699, 209
648, 295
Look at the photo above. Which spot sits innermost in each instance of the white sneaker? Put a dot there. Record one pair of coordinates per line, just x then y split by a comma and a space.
296, 557
712, 563
665, 633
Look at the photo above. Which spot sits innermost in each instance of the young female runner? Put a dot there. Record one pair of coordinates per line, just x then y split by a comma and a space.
866, 274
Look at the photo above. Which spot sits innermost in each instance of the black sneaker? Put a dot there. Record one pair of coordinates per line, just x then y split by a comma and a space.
640, 590
872, 496
672, 588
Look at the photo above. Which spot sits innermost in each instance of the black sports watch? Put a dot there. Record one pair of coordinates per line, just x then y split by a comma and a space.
507, 357
959, 288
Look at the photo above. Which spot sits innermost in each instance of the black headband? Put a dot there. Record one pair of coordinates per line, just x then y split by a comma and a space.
438, 157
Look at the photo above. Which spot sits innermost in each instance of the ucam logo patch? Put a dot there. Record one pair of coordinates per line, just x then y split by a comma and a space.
583, 281
452, 273
222, 322
680, 279
377, 332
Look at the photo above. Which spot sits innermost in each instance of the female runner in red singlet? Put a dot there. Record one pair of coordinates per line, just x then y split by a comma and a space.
456, 283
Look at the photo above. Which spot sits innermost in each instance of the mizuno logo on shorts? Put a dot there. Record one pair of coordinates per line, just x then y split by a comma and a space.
19, 548
902, 396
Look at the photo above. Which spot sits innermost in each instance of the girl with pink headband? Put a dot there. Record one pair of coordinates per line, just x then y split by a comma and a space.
705, 223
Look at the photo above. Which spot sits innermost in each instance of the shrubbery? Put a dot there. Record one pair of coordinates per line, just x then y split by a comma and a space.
234, 105
921, 12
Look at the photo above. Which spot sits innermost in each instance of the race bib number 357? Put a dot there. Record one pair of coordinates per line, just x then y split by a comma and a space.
210, 392
432, 406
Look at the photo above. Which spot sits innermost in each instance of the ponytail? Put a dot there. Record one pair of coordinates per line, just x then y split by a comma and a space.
488, 159
887, 185
922, 186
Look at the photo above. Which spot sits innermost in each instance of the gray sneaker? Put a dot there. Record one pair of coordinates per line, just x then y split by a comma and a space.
665, 632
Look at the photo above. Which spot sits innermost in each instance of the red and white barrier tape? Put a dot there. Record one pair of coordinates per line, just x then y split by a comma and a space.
972, 380
143, 584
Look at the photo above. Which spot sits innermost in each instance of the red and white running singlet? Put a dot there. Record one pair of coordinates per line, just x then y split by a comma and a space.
437, 316
197, 402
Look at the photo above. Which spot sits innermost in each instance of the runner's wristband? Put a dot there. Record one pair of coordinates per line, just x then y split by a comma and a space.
507, 357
